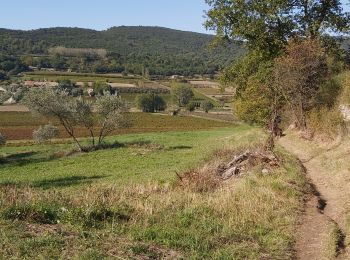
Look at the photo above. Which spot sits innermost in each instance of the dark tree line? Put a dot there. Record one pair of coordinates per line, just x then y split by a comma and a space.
129, 49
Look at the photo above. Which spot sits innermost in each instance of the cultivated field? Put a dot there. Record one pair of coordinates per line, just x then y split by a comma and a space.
20, 125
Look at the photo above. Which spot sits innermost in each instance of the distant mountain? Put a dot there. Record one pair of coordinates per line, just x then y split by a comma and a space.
160, 50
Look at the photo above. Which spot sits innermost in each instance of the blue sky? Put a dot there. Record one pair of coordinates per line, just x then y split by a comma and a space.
102, 14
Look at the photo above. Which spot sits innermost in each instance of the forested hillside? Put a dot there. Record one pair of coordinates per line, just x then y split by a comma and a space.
156, 50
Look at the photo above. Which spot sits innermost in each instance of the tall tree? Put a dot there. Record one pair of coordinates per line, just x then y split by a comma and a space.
299, 75
266, 27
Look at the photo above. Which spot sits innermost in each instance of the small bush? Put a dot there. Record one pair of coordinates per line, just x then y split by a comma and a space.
326, 122
96, 216
45, 133
206, 105
42, 214
191, 106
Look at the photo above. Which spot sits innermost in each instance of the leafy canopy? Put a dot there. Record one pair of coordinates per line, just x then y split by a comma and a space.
267, 25
182, 93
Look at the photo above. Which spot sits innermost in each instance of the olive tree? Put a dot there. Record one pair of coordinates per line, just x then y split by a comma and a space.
109, 110
182, 93
99, 118
151, 103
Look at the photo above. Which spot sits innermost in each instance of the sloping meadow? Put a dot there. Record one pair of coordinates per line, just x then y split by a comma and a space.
252, 216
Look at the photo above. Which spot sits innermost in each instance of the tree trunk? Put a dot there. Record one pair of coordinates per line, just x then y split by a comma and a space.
70, 131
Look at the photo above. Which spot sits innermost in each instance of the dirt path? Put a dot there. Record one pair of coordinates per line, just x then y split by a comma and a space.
326, 212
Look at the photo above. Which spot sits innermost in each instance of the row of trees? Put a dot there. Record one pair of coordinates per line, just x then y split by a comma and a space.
152, 102
289, 56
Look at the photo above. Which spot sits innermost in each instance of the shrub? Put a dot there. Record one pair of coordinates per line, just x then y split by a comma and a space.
300, 74
182, 93
66, 85
77, 92
159, 103
45, 133
206, 105
36, 213
102, 214
150, 103
101, 87
326, 122
253, 104
191, 106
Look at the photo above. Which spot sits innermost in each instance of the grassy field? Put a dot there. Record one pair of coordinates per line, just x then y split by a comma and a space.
20, 125
128, 203
157, 157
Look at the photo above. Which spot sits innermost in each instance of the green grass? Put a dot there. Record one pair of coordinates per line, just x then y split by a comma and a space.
127, 202
32, 164
199, 96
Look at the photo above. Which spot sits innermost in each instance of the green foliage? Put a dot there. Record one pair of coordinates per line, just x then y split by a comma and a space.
260, 23
138, 50
182, 93
100, 87
144, 213
191, 106
3, 75
66, 85
36, 213
159, 103
242, 69
145, 103
10, 65
254, 104
266, 26
326, 122
299, 75
72, 113
328, 93
20, 93
206, 105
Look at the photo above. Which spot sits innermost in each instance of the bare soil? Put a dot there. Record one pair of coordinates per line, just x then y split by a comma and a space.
14, 108
327, 168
